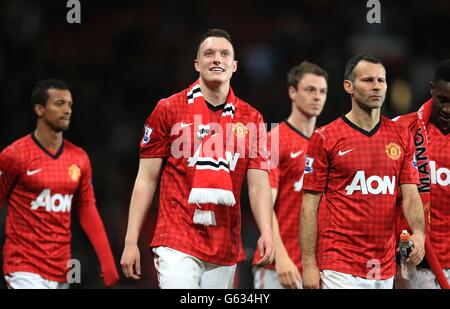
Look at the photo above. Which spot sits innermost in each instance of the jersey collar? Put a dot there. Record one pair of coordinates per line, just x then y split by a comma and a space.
45, 150
367, 133
295, 130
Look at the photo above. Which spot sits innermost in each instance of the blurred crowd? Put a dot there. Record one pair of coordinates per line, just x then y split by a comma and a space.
126, 55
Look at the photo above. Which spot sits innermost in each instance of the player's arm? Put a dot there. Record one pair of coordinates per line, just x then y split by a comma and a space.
411, 202
9, 171
308, 239
413, 212
92, 225
286, 269
261, 205
143, 192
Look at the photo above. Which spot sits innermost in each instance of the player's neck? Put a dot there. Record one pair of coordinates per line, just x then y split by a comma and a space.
365, 119
302, 122
215, 94
48, 138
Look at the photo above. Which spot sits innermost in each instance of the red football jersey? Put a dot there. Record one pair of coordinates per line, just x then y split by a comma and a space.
168, 130
439, 167
440, 193
360, 173
40, 188
287, 178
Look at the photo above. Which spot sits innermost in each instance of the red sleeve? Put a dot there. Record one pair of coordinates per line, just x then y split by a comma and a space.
9, 172
274, 178
156, 140
274, 157
85, 193
409, 172
93, 226
316, 165
258, 154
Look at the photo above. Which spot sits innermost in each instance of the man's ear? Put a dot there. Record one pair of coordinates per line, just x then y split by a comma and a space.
431, 87
197, 65
39, 109
235, 65
292, 93
348, 86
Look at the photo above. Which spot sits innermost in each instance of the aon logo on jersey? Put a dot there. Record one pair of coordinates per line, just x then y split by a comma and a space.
53, 203
373, 184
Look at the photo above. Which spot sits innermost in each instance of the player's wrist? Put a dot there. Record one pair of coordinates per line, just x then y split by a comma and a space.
418, 237
130, 242
309, 262
280, 254
419, 233
267, 231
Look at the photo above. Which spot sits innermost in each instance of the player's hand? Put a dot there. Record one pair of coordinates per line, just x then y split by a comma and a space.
418, 251
287, 272
311, 277
131, 262
266, 249
110, 277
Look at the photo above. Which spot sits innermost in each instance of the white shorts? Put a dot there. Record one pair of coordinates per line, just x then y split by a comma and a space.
178, 270
336, 280
421, 278
27, 280
268, 279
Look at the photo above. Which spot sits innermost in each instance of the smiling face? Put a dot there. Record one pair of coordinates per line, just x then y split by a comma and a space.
56, 112
440, 93
215, 61
368, 87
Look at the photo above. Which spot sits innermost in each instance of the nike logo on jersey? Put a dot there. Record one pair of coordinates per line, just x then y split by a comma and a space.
296, 154
343, 153
31, 173
184, 125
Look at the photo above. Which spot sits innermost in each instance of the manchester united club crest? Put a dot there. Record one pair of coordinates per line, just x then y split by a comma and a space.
74, 172
239, 129
393, 151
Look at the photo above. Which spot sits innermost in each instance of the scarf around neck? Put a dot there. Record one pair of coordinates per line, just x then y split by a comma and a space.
212, 180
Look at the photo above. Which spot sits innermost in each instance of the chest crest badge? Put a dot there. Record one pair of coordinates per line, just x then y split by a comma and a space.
239, 129
393, 151
74, 172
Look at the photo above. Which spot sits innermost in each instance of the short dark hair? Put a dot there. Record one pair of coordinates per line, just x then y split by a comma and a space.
297, 72
442, 71
218, 33
353, 62
40, 94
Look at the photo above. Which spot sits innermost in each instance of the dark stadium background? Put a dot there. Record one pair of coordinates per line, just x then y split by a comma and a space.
126, 55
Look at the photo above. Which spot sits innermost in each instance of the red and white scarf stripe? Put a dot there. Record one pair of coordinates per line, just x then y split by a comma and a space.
212, 181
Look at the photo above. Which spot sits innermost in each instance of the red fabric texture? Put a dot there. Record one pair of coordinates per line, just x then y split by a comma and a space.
220, 244
287, 178
359, 172
429, 143
40, 190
